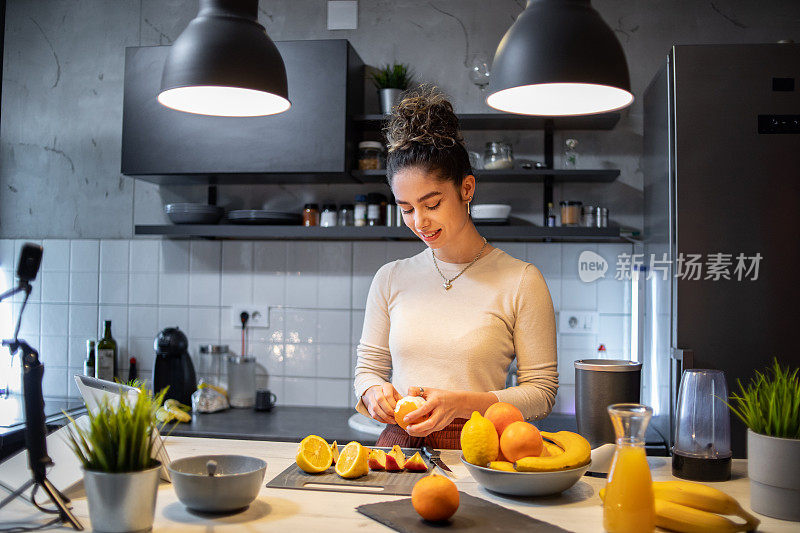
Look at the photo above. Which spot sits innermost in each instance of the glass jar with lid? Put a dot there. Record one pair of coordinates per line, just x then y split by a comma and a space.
498, 156
370, 155
570, 212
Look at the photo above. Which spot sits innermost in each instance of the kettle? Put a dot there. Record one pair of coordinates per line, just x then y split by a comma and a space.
173, 367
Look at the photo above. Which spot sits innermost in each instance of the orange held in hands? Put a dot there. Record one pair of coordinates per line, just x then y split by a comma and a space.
435, 498
519, 440
406, 405
502, 414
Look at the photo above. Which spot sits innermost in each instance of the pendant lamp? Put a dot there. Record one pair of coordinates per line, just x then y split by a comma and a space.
559, 58
225, 64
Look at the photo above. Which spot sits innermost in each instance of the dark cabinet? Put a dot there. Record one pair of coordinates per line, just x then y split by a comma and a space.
311, 142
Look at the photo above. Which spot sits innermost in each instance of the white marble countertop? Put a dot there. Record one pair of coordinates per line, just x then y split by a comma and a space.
577, 509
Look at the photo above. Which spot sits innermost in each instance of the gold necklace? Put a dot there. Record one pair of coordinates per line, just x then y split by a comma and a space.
449, 282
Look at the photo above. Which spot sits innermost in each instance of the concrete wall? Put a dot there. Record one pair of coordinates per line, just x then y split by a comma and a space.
62, 95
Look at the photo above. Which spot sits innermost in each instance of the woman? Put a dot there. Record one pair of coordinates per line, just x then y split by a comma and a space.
446, 324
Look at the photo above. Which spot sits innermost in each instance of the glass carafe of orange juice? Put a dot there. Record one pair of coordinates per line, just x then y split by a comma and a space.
629, 505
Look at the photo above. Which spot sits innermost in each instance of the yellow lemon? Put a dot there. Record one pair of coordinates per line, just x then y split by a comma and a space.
479, 441
353, 461
505, 466
314, 455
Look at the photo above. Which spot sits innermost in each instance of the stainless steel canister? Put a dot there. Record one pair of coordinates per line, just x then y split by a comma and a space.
598, 384
601, 217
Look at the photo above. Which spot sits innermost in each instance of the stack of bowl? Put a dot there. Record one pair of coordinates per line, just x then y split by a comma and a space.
191, 213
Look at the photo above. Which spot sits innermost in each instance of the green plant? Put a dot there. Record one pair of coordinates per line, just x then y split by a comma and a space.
119, 436
770, 403
397, 76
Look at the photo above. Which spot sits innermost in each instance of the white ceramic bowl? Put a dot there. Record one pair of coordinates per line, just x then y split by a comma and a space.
493, 211
525, 483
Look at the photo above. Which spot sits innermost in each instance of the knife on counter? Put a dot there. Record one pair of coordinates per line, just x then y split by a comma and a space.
435, 457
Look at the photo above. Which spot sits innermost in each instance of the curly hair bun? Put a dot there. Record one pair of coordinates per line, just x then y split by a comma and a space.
424, 117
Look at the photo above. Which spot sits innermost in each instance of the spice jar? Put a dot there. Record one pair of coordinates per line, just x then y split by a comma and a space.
601, 217
360, 210
370, 155
328, 216
346, 217
498, 156
588, 216
570, 212
311, 215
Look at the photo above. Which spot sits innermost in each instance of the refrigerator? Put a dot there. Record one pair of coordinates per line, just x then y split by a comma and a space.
721, 164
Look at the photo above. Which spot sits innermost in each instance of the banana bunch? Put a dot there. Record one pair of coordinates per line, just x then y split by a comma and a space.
688, 507
173, 409
576, 452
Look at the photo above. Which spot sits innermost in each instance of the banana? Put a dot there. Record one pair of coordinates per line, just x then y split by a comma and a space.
701, 497
690, 507
551, 449
577, 452
684, 519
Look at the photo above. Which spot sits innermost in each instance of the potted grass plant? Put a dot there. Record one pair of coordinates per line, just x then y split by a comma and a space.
391, 81
770, 408
120, 476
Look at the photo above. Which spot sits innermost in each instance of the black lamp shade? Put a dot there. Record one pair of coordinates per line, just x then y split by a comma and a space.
225, 64
559, 58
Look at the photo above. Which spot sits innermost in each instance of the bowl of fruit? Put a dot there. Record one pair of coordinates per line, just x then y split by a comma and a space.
506, 454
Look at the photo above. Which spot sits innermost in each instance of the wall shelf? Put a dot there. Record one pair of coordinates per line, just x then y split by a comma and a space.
506, 121
351, 233
514, 176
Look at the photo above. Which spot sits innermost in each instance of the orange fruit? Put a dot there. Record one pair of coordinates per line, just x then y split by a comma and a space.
502, 414
519, 440
435, 498
406, 405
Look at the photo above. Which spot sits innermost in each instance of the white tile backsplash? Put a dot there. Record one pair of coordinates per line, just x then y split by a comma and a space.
83, 287
84, 256
55, 257
315, 292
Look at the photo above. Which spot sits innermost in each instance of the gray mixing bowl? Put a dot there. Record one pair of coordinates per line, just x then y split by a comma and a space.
234, 485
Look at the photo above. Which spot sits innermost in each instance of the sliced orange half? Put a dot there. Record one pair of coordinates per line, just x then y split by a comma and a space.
353, 461
314, 455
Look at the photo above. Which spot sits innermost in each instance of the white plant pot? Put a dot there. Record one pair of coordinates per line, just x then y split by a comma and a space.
122, 502
389, 98
773, 465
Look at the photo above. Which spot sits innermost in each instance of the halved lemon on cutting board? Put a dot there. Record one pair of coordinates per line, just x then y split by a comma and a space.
353, 461
314, 455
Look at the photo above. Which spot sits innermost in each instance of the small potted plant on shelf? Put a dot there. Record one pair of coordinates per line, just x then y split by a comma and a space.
770, 408
391, 81
120, 476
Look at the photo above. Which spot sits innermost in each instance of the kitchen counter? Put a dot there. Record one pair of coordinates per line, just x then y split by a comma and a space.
577, 509
283, 424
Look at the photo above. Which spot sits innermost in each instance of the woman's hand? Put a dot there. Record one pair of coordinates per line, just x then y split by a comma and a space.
443, 406
380, 401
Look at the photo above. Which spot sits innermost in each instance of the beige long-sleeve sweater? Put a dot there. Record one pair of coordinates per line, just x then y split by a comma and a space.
417, 334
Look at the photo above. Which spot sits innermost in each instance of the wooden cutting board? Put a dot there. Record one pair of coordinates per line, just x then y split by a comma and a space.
375, 482
474, 514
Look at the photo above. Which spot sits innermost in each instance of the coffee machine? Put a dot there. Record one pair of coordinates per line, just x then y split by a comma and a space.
173, 367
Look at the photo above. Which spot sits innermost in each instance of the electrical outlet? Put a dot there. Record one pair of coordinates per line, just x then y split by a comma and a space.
259, 315
578, 321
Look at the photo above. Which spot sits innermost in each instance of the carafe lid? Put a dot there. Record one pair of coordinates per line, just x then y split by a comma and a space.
608, 365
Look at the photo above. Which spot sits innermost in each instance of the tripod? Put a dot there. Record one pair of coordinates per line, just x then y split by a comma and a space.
32, 374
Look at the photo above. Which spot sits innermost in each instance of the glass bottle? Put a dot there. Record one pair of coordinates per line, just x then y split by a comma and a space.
360, 210
570, 153
133, 370
551, 215
106, 355
89, 362
629, 506
311, 215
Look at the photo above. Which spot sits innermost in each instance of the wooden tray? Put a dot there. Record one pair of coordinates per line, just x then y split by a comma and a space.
375, 482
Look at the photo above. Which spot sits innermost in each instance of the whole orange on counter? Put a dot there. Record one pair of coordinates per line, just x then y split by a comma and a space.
406, 405
435, 498
502, 414
519, 440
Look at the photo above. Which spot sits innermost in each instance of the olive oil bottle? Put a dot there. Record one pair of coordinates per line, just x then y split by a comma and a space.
106, 355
